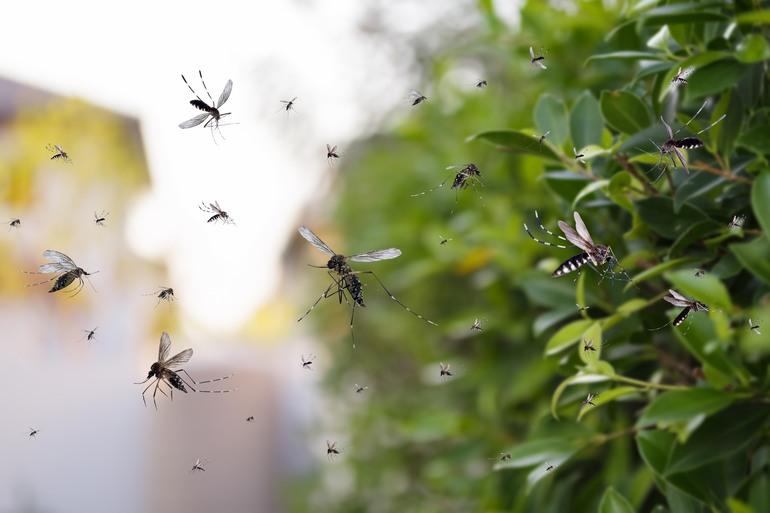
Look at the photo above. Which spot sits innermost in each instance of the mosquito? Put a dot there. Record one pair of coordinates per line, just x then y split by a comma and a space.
444, 240
250, 418
504, 456
595, 254
548, 467
219, 214
416, 97
699, 273
582, 308
468, 176
65, 270
754, 327
14, 223
289, 104
361, 388
307, 363
58, 153
476, 326
578, 156
536, 61
331, 153
169, 371
90, 334
211, 113
163, 294
736, 223
198, 466
481, 84
99, 219
589, 399
689, 305
542, 138
346, 281
331, 450
680, 79
588, 345
33, 432
444, 370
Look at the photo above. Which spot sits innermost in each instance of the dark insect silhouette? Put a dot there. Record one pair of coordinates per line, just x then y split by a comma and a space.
589, 399
289, 104
99, 219
198, 466
548, 467
58, 153
536, 61
360, 388
481, 84
476, 326
346, 281
307, 363
689, 305
219, 215
680, 79
504, 456
699, 273
595, 254
754, 327
33, 432
468, 176
65, 270
331, 153
578, 156
444, 240
250, 418
331, 450
14, 223
444, 370
542, 138
163, 294
588, 345
416, 97
211, 113
90, 334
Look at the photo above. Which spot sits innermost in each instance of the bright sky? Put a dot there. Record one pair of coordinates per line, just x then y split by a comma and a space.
129, 59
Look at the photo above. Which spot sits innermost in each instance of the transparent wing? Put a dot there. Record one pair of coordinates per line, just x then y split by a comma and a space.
225, 93
676, 299
59, 258
313, 239
668, 128
197, 120
541, 64
373, 256
573, 237
52, 268
180, 358
582, 230
531, 53
165, 344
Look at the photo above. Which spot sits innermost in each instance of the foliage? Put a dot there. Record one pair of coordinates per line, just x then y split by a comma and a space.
681, 420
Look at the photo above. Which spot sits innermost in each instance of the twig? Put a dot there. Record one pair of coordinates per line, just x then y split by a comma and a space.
702, 166
622, 159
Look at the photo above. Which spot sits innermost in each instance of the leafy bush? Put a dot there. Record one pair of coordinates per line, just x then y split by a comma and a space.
680, 422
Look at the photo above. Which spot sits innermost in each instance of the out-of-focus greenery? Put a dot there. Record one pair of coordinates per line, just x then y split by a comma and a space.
681, 420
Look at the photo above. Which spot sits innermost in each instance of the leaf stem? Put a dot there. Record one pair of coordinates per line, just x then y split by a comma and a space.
647, 384
702, 166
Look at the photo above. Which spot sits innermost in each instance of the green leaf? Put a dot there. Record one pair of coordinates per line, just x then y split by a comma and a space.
760, 200
715, 78
753, 48
624, 111
659, 269
754, 256
550, 113
567, 336
594, 334
585, 121
536, 452
658, 213
588, 190
759, 17
696, 62
737, 506
654, 446
517, 142
607, 397
581, 378
695, 185
627, 55
681, 406
614, 502
685, 12
707, 289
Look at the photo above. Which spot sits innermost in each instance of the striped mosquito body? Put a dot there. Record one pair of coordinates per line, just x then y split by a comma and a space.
538, 61
58, 153
65, 272
688, 305
212, 113
594, 254
219, 215
468, 175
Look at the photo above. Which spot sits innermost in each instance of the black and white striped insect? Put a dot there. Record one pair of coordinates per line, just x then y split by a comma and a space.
443, 240
58, 153
689, 305
331, 450
444, 370
699, 273
211, 113
289, 104
549, 467
468, 175
582, 308
163, 294
736, 223
331, 153
754, 327
536, 61
416, 97
219, 215
168, 371
14, 223
589, 399
594, 254
100, 219
680, 79
346, 281
307, 362
481, 84
198, 466
33, 432
66, 272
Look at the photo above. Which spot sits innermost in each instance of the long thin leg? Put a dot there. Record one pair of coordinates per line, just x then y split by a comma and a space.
191, 89
544, 243
206, 88
322, 296
185, 382
439, 186
144, 400
352, 332
390, 294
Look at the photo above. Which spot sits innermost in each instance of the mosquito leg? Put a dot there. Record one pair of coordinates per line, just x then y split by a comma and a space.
185, 382
144, 400
352, 332
322, 296
390, 294
206, 88
191, 89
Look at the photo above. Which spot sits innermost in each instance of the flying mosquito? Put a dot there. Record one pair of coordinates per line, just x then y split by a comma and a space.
289, 104
699, 273
542, 138
468, 176
444, 370
211, 113
680, 79
168, 371
416, 97
58, 153
754, 327
307, 363
331, 153
582, 308
589, 399
33, 432
476, 326
548, 467
198, 466
14, 223
218, 213
250, 418
99, 219
595, 254
578, 156
65, 270
360, 388
736, 223
536, 61
588, 345
163, 294
443, 240
331, 450
481, 84
346, 281
90, 334
677, 299
503, 456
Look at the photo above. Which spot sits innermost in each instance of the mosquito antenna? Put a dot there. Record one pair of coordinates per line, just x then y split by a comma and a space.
660, 327
91, 284
191, 89
707, 102
206, 88
723, 116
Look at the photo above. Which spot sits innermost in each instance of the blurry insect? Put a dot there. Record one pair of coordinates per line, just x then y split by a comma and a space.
90, 334
548, 467
331, 153
578, 156
504, 456
536, 61
754, 327
211, 113
250, 418
443, 240
307, 363
416, 97
219, 214
99, 219
14, 223
198, 466
699, 273
680, 79
468, 176
588, 345
168, 371
689, 305
346, 281
331, 450
542, 137
481, 84
476, 326
58, 153
589, 399
444, 370
582, 308
737, 223
33, 432
361, 388
595, 254
163, 294
66, 271
289, 104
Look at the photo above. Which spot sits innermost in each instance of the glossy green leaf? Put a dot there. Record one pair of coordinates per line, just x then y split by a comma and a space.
614, 502
627, 55
679, 406
654, 447
707, 289
753, 48
585, 121
624, 111
696, 62
755, 256
758, 17
760, 200
715, 78
550, 114
659, 269
684, 12
567, 336
517, 142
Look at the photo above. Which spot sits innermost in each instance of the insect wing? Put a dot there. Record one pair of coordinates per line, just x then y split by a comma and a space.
180, 358
531, 53
58, 259
165, 344
676, 299
373, 256
582, 230
313, 239
573, 237
668, 128
541, 64
197, 120
225, 93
